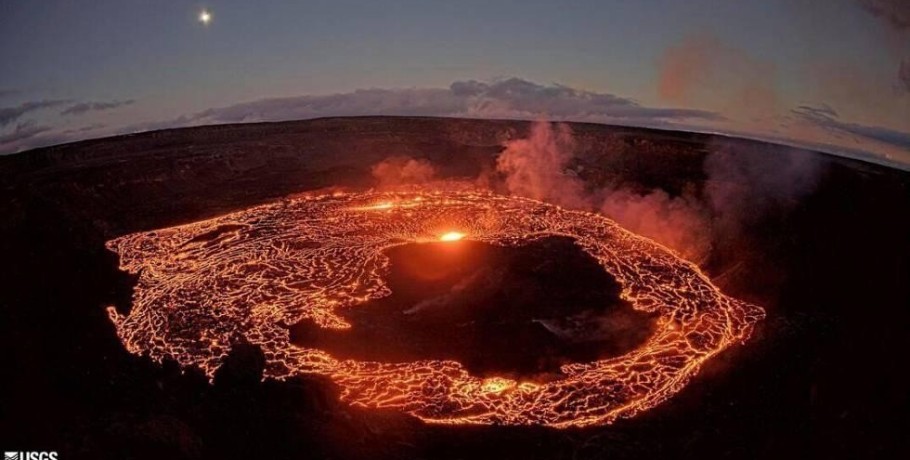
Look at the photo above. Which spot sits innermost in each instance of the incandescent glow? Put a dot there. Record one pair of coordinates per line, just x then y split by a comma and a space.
451, 236
241, 277
205, 17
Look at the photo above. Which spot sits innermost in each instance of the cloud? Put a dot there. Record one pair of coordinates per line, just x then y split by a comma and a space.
516, 98
511, 98
822, 111
413, 102
29, 135
178, 122
23, 131
506, 98
37, 136
703, 70
84, 129
896, 13
11, 114
83, 107
826, 118
857, 91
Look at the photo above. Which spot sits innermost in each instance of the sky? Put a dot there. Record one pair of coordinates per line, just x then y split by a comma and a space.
831, 75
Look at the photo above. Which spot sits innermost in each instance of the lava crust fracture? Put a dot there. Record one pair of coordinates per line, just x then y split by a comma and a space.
245, 276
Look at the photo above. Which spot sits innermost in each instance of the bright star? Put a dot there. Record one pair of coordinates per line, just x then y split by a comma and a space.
205, 17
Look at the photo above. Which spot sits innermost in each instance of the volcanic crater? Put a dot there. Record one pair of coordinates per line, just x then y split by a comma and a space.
516, 311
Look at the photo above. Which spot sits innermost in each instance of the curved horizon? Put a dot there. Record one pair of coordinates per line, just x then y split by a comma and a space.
856, 155
832, 77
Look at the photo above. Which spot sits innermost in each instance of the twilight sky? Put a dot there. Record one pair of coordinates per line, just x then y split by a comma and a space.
833, 75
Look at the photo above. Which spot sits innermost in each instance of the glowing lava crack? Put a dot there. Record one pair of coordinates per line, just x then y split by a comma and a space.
245, 276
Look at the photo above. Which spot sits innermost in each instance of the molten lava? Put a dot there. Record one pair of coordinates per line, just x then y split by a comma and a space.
451, 236
242, 277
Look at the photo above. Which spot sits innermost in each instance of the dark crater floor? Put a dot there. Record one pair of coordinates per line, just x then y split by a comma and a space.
518, 311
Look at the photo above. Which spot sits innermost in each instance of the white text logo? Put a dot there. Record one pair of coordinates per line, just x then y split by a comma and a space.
32, 455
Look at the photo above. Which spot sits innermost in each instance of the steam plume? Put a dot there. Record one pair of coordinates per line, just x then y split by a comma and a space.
537, 167
399, 170
741, 187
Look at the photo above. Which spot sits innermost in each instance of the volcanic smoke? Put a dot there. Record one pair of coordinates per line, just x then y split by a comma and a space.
740, 188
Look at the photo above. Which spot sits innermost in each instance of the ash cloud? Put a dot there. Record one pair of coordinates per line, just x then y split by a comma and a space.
740, 188
84, 107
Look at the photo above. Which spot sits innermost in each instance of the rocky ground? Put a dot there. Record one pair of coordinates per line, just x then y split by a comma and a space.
821, 377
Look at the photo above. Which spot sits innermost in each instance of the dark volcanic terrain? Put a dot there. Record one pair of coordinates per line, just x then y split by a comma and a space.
500, 311
820, 378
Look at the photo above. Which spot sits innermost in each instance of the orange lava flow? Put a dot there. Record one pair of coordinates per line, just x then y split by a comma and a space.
244, 276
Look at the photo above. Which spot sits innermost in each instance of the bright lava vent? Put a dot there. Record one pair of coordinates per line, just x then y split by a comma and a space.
244, 276
452, 236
